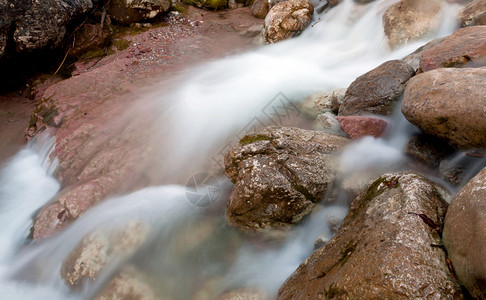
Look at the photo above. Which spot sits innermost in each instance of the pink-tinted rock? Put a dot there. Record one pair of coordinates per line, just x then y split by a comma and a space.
359, 126
465, 47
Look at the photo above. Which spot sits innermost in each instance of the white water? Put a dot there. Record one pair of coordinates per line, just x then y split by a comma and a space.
215, 101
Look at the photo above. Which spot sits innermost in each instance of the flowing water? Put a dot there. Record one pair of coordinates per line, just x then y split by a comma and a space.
186, 251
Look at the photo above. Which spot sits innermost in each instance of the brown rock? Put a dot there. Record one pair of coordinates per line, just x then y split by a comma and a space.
409, 20
381, 251
359, 126
464, 235
472, 11
129, 11
462, 48
377, 91
260, 8
449, 104
428, 149
287, 19
279, 173
413, 59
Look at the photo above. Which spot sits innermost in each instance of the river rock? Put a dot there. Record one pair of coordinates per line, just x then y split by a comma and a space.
260, 8
129, 11
329, 123
381, 251
428, 149
465, 47
99, 249
129, 284
359, 126
279, 174
449, 104
413, 59
464, 235
410, 20
377, 91
287, 19
472, 12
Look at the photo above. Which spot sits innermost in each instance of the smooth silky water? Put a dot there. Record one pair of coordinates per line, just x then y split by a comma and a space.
187, 251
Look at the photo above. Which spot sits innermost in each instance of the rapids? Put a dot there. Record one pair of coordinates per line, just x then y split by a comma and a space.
207, 107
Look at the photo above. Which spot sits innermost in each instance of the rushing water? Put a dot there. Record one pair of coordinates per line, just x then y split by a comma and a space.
185, 251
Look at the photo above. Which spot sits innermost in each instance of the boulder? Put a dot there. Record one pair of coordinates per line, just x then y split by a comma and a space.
449, 104
413, 59
377, 91
43, 24
383, 249
130, 11
472, 12
464, 235
260, 8
279, 174
287, 19
410, 20
464, 48
359, 126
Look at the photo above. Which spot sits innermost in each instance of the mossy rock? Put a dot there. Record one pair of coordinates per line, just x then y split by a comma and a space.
209, 4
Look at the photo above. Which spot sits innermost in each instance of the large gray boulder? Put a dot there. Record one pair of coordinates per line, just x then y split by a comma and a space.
465, 235
383, 250
449, 104
279, 174
42, 23
377, 91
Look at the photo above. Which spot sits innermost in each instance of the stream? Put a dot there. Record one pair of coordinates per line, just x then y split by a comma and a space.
175, 237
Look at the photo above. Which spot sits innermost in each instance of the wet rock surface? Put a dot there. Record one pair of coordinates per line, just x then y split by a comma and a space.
279, 173
129, 11
260, 8
409, 20
287, 19
359, 126
76, 110
473, 13
449, 104
381, 251
377, 91
464, 235
466, 47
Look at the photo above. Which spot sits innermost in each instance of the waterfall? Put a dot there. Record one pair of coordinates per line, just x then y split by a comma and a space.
198, 116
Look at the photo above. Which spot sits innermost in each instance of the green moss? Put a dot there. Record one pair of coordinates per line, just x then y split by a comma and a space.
248, 139
121, 44
347, 252
95, 53
210, 4
333, 291
373, 190
179, 8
